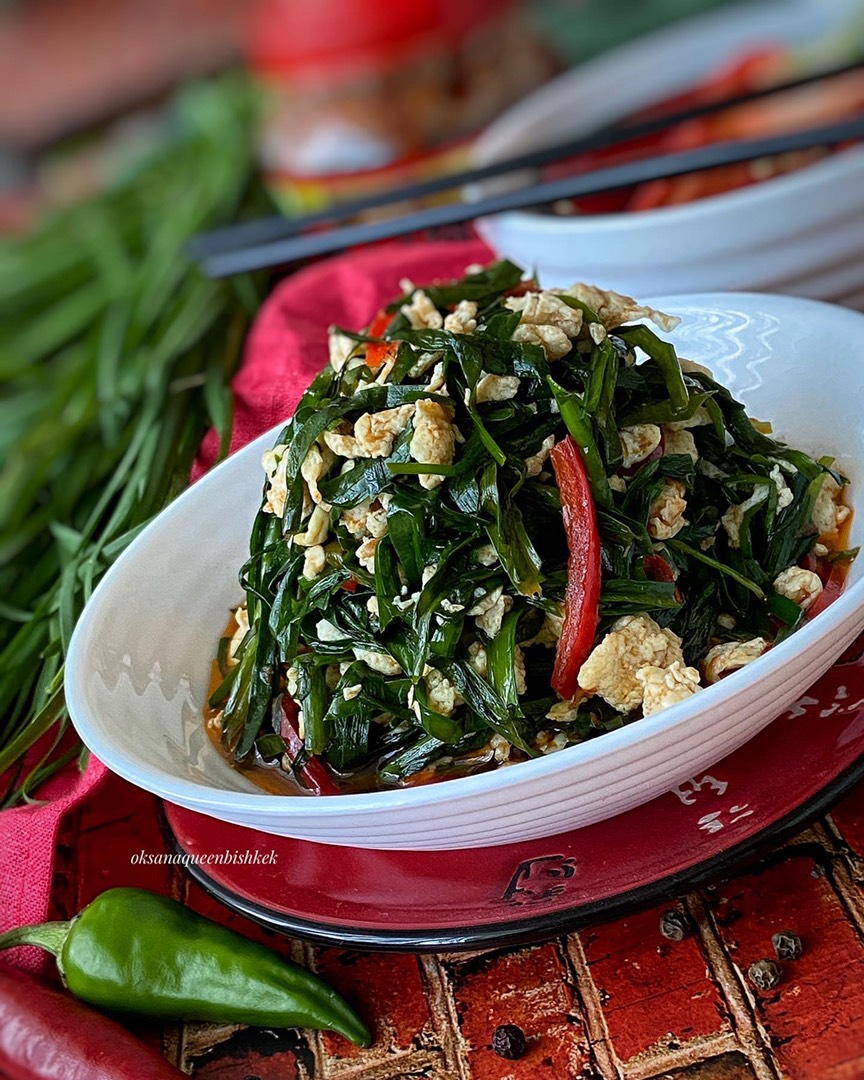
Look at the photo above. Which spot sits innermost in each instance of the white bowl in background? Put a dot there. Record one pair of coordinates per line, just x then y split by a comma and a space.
139, 664
784, 234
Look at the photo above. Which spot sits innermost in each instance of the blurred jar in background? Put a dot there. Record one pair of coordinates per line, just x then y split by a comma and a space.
365, 94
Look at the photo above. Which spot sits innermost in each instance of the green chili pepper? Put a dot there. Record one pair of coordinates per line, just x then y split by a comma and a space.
135, 951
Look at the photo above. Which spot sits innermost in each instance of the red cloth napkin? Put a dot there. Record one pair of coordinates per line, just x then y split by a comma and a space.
287, 346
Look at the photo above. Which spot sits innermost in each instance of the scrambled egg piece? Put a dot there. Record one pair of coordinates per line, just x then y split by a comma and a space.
275, 462
340, 442
424, 362
500, 749
490, 609
784, 492
566, 712
551, 339
317, 528
615, 309
341, 347
637, 442
463, 319
828, 512
314, 561
376, 519
367, 518
546, 309
421, 312
730, 656
486, 555
450, 607
666, 515
477, 659
534, 464
441, 695
732, 519
802, 586
326, 631
376, 432
548, 742
383, 663
438, 380
497, 387
315, 466
679, 441
662, 687
366, 554
434, 439
634, 642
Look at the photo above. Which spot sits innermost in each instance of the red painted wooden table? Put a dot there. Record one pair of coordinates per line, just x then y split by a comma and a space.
616, 1000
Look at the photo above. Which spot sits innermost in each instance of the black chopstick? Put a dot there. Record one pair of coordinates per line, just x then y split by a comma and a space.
280, 252
264, 230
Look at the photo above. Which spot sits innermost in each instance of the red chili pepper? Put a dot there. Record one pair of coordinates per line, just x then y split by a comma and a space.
748, 72
314, 773
377, 354
810, 562
522, 287
832, 587
350, 584
582, 598
657, 568
45, 1035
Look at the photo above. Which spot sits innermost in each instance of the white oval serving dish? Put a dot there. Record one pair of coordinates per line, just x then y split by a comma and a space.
138, 668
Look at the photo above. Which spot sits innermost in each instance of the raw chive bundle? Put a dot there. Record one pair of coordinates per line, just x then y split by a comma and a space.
115, 355
416, 629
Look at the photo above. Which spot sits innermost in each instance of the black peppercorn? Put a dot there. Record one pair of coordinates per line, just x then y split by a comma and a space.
765, 974
674, 925
787, 945
508, 1041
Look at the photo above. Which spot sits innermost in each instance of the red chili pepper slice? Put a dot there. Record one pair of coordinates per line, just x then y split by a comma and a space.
810, 562
657, 568
832, 587
378, 354
522, 287
582, 598
314, 773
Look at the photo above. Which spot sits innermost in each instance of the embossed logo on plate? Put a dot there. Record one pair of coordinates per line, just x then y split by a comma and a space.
536, 880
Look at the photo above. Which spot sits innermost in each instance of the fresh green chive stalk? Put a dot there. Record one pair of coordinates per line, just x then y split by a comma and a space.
115, 356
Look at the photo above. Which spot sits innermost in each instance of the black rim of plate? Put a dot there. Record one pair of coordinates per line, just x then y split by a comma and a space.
534, 928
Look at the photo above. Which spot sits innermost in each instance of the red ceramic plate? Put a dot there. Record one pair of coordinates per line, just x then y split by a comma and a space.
789, 774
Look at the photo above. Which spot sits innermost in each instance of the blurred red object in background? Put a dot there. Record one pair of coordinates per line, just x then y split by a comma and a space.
69, 65
364, 94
